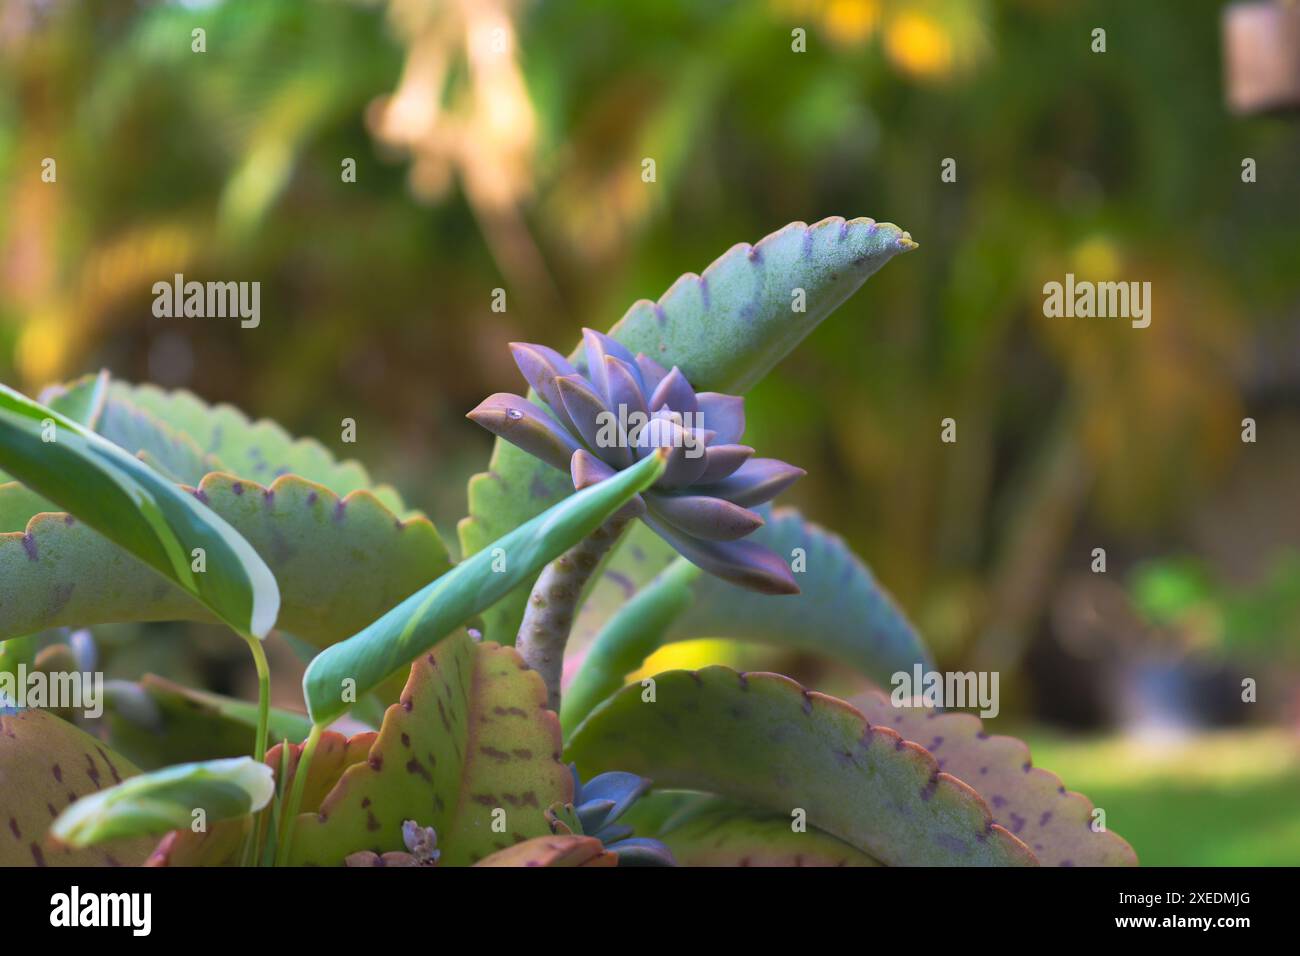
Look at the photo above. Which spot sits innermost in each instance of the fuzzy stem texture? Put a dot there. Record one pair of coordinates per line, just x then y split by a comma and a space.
554, 603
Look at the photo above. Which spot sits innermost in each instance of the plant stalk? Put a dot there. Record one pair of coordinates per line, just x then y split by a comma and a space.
289, 813
553, 604
254, 839
263, 696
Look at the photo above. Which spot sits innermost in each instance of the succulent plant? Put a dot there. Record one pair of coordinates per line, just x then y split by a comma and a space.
152, 506
601, 801
615, 412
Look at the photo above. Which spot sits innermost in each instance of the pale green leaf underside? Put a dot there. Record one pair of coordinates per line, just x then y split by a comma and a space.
340, 563
765, 741
726, 329
153, 803
138, 509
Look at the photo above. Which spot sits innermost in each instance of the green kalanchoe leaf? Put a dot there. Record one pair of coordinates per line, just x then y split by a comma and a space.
725, 329
132, 505
470, 738
764, 740
339, 563
227, 440
157, 723
45, 765
841, 610
81, 400
426, 617
1055, 823
705, 830
153, 803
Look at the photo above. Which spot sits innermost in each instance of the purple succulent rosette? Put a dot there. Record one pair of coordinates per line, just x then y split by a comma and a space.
607, 417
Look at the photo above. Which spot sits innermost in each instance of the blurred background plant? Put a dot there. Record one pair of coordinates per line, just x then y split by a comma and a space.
501, 144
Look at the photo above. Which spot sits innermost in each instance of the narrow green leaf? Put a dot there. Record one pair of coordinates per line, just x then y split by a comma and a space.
154, 803
475, 584
135, 507
726, 329
767, 742
634, 633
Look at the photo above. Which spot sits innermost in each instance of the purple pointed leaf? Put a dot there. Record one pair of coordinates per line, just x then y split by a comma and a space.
725, 414
597, 346
714, 519
756, 481
587, 469
689, 455
741, 562
623, 387
540, 367
723, 461
652, 373
675, 392
526, 426
595, 423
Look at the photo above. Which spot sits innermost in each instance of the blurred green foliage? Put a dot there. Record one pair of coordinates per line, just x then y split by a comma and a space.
500, 144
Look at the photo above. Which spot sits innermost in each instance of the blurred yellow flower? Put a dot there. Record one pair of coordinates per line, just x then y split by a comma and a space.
918, 45
687, 655
1096, 258
42, 347
851, 22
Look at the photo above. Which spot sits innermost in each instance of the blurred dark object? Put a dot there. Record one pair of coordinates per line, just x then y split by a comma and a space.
1261, 53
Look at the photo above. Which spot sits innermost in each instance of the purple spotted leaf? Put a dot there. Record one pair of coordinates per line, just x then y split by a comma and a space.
470, 743
766, 741
1057, 824
46, 764
339, 563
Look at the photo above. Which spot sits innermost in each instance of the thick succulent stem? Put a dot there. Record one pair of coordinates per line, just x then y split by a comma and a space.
553, 603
